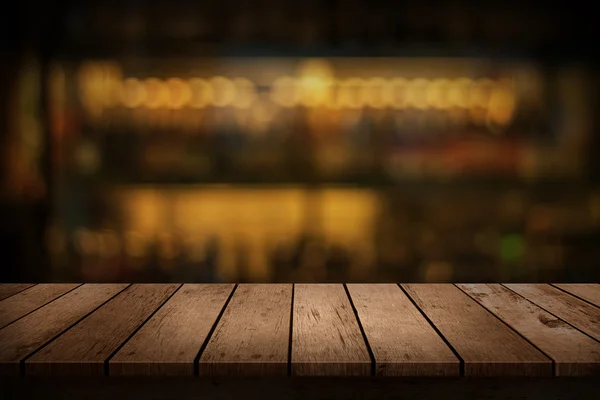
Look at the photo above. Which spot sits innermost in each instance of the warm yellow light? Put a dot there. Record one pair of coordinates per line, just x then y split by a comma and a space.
135, 244
90, 81
134, 93
223, 91
85, 241
399, 88
351, 93
378, 93
481, 93
108, 243
157, 93
201, 93
502, 104
180, 93
262, 112
114, 90
416, 94
245, 93
314, 91
458, 92
437, 94
317, 68
285, 92
333, 100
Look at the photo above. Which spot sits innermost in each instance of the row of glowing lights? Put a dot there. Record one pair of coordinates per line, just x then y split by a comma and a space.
352, 93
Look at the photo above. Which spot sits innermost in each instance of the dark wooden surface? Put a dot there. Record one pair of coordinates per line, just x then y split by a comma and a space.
303, 330
574, 353
84, 348
326, 337
22, 303
574, 311
252, 337
402, 341
29, 334
169, 342
8, 289
486, 345
589, 292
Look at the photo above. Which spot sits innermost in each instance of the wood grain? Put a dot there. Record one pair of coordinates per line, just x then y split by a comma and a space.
487, 346
170, 341
402, 341
574, 353
8, 289
578, 313
28, 300
83, 349
326, 337
588, 291
252, 337
28, 334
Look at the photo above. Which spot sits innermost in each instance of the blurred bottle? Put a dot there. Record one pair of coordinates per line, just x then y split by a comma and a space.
312, 262
281, 262
242, 261
338, 263
212, 259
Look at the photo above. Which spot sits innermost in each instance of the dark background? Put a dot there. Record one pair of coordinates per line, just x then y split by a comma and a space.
553, 34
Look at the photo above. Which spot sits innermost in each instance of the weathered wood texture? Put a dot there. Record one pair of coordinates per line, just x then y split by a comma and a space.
487, 346
578, 313
574, 353
170, 341
23, 337
252, 337
326, 337
402, 341
83, 349
22, 303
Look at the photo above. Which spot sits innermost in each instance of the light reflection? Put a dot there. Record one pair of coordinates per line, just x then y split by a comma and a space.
180, 93
156, 93
201, 93
134, 93
223, 91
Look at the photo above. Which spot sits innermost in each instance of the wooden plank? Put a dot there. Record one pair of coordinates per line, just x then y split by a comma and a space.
8, 289
326, 337
402, 341
28, 334
587, 291
170, 341
82, 350
574, 353
252, 337
487, 346
576, 312
30, 299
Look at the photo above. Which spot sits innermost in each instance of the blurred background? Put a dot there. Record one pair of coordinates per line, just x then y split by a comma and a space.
310, 141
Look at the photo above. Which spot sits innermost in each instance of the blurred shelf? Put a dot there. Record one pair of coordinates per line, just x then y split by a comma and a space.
98, 48
564, 186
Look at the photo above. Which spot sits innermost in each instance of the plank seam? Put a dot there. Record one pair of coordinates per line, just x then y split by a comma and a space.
511, 328
289, 364
22, 362
435, 328
362, 331
136, 330
574, 295
554, 315
19, 291
43, 305
211, 332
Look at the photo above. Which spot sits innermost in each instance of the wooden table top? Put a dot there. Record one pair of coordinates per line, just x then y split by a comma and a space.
300, 329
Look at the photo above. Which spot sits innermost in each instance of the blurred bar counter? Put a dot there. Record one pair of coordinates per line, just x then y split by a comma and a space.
220, 142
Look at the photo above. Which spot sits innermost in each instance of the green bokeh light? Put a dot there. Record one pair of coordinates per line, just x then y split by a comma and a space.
511, 247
